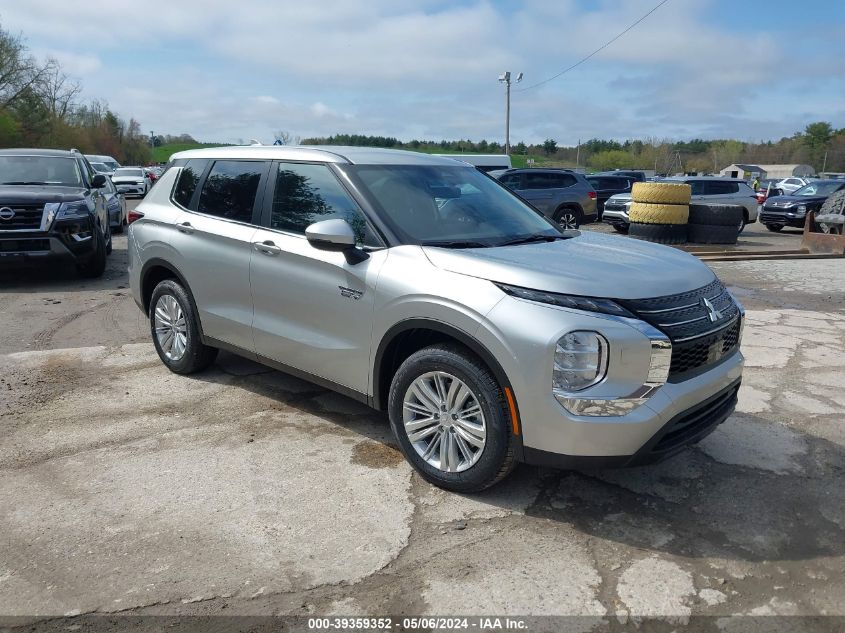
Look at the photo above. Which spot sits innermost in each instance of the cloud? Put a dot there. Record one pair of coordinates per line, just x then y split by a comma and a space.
428, 68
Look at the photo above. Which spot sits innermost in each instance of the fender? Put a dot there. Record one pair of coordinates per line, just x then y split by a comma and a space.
156, 262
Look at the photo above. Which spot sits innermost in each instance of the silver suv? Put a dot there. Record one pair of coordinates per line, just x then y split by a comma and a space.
429, 291
563, 195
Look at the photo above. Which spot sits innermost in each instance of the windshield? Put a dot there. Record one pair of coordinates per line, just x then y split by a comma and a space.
100, 168
819, 188
40, 170
449, 206
127, 171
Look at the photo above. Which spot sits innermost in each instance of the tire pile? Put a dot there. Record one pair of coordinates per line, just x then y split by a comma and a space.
831, 217
661, 212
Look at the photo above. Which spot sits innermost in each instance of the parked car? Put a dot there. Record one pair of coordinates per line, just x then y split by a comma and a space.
791, 185
705, 189
101, 168
791, 210
52, 210
607, 186
116, 206
560, 194
767, 189
132, 181
429, 291
636, 175
110, 163
153, 174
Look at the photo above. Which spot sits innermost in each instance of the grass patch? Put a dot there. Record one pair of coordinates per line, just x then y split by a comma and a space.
162, 153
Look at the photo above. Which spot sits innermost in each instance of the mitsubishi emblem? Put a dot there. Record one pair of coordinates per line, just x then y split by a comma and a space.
712, 313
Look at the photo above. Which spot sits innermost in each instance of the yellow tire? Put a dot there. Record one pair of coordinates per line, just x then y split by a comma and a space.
645, 213
661, 192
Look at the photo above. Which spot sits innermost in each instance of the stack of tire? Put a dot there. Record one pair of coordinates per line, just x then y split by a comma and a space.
659, 212
715, 223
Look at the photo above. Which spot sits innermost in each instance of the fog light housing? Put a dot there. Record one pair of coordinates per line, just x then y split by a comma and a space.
580, 361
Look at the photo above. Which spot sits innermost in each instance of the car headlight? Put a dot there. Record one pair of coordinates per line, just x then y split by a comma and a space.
588, 304
67, 210
580, 361
802, 209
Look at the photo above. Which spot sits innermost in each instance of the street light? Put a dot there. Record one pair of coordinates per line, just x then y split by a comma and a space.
506, 79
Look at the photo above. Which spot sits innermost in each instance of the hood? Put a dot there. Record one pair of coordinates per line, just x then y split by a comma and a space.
28, 194
621, 197
117, 179
591, 265
783, 201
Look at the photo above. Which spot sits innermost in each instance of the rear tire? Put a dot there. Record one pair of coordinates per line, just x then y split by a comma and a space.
659, 233
568, 218
172, 312
470, 468
620, 228
775, 228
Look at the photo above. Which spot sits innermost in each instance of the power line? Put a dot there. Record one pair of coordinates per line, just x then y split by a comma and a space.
598, 50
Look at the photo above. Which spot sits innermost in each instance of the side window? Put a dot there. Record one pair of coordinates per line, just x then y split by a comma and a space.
716, 188
697, 187
539, 180
230, 188
511, 181
306, 193
560, 181
187, 182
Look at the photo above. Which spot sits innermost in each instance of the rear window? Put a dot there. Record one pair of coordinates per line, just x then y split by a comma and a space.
229, 190
716, 188
186, 185
548, 180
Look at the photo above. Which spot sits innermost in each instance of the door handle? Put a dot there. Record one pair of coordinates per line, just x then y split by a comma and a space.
185, 227
267, 247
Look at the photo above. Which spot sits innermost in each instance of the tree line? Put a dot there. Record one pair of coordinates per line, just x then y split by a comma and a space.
40, 107
819, 145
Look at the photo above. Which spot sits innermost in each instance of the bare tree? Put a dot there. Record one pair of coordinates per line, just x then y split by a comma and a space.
19, 71
283, 137
58, 91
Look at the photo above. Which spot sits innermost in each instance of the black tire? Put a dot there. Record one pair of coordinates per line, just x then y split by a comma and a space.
197, 355
659, 233
712, 234
109, 244
568, 215
497, 458
620, 228
118, 229
834, 204
775, 228
96, 264
717, 214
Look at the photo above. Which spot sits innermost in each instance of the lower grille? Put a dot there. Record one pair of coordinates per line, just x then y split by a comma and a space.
25, 218
19, 246
694, 424
705, 350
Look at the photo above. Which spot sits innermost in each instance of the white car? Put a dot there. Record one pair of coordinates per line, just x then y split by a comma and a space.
789, 185
132, 181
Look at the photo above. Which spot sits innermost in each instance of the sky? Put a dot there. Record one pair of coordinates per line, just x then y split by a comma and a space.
227, 71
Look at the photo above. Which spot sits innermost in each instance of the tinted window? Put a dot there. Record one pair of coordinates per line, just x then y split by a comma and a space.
548, 180
510, 181
230, 188
696, 185
716, 188
305, 194
187, 182
45, 170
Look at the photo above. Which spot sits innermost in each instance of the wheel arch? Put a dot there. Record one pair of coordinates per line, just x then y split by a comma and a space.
156, 270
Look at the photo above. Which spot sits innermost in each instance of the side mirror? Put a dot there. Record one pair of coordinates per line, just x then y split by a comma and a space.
99, 181
336, 236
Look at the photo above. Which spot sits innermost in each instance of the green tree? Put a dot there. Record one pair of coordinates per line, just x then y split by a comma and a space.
549, 146
818, 135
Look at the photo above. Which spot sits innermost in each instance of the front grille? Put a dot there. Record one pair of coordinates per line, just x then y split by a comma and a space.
772, 217
701, 334
27, 217
19, 246
695, 423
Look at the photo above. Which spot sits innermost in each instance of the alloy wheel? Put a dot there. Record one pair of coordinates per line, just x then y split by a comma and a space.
444, 421
171, 328
568, 220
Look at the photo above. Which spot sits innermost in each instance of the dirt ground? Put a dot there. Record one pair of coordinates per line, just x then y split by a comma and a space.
125, 489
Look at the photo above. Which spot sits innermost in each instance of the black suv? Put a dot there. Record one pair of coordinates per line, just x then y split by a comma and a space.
791, 210
607, 186
561, 194
52, 208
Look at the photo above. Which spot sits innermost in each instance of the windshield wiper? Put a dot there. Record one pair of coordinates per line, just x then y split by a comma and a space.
24, 182
455, 244
530, 239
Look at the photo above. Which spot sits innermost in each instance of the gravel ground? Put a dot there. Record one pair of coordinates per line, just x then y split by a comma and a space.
129, 490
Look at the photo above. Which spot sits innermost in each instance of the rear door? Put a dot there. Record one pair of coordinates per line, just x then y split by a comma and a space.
213, 234
537, 190
313, 310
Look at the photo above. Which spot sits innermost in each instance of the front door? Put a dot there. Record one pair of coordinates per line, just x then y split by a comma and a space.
313, 310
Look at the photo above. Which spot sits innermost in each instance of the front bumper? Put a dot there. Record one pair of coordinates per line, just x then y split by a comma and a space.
130, 189
616, 217
68, 239
553, 435
783, 217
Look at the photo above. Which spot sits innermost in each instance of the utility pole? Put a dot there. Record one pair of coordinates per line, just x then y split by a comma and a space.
578, 155
505, 78
824, 163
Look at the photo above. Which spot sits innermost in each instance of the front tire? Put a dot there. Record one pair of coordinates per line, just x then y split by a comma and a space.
448, 414
568, 218
96, 264
775, 228
175, 330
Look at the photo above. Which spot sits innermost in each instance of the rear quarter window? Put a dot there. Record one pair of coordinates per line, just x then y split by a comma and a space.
187, 182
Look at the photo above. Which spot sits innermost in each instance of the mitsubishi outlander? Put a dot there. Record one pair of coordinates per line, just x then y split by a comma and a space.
426, 289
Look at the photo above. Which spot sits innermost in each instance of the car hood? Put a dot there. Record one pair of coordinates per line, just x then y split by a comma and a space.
28, 194
590, 264
783, 201
620, 197
117, 179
